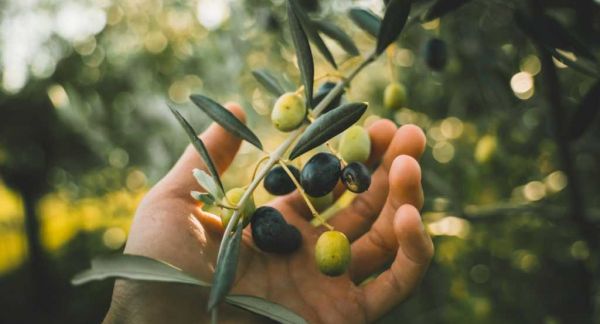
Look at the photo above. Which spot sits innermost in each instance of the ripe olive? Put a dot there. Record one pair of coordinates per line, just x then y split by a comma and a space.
322, 92
435, 54
289, 112
321, 203
394, 96
320, 174
232, 197
279, 183
271, 233
355, 144
332, 253
356, 177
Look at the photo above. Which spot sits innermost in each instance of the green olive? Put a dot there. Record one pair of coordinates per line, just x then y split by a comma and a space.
232, 198
355, 144
289, 112
321, 203
332, 253
394, 96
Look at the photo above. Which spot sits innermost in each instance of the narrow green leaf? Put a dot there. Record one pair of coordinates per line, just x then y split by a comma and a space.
337, 34
226, 119
303, 53
199, 146
585, 114
581, 65
203, 197
208, 184
226, 268
136, 267
269, 81
365, 20
549, 33
442, 7
327, 126
266, 308
394, 19
311, 32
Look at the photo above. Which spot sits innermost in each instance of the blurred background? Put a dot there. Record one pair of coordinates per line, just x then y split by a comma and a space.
512, 205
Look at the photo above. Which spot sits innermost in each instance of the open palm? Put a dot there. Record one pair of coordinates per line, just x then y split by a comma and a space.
383, 225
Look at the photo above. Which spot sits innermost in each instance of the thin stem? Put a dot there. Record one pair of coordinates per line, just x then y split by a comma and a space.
336, 153
258, 165
313, 211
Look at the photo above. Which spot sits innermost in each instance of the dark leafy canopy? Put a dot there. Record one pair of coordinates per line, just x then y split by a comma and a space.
303, 53
396, 14
337, 34
587, 111
225, 271
365, 20
442, 7
327, 126
269, 81
226, 119
551, 34
199, 146
311, 32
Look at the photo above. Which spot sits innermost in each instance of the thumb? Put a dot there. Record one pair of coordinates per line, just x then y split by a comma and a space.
222, 147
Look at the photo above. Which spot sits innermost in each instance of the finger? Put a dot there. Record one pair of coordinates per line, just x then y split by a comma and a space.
357, 218
222, 147
412, 259
378, 245
381, 133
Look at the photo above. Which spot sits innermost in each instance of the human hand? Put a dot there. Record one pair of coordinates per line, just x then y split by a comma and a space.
383, 225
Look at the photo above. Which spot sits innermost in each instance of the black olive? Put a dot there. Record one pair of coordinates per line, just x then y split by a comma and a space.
279, 183
320, 174
436, 54
271, 233
356, 177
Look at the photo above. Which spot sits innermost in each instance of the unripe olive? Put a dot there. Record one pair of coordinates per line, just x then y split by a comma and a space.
332, 253
289, 112
279, 183
322, 92
435, 54
320, 174
232, 197
356, 177
271, 233
394, 96
321, 203
355, 144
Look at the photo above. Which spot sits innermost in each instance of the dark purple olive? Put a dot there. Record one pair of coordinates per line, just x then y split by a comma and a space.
436, 54
279, 183
356, 177
320, 174
272, 234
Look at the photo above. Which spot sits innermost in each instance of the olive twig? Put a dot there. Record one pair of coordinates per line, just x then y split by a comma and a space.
258, 165
336, 153
313, 211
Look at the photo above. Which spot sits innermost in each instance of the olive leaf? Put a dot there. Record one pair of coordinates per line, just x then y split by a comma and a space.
203, 197
208, 184
264, 307
581, 64
303, 53
587, 111
226, 119
327, 126
549, 33
337, 34
227, 262
135, 267
394, 19
365, 20
442, 7
268, 80
311, 32
199, 146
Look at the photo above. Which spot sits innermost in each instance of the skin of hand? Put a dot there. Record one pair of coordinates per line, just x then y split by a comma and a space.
383, 225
